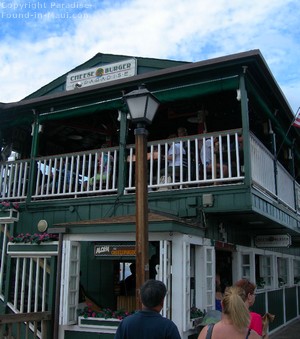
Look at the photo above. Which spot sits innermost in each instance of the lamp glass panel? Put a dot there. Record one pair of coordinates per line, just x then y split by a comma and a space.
136, 106
152, 106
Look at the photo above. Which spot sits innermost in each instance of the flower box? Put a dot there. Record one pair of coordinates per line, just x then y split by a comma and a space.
103, 323
23, 249
9, 215
196, 322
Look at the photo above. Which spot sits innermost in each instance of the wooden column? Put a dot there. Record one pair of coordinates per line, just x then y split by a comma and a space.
141, 245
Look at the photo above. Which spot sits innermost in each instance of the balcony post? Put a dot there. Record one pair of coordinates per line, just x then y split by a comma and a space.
245, 126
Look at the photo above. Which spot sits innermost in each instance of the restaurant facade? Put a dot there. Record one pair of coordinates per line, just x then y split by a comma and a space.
227, 206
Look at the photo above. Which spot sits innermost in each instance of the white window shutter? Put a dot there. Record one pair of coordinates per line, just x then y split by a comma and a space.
164, 274
70, 282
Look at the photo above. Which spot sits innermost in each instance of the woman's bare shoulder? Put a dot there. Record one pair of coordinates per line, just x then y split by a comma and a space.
202, 334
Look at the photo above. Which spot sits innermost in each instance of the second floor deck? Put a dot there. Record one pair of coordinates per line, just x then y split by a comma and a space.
215, 159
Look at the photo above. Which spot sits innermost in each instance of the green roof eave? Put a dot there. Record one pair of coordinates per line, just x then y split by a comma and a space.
198, 89
165, 95
154, 226
111, 104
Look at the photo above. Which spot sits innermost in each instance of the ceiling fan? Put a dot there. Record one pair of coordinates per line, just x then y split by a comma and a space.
199, 118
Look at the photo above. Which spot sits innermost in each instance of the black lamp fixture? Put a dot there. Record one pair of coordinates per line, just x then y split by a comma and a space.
142, 105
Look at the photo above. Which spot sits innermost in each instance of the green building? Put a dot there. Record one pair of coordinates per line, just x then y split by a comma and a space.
222, 198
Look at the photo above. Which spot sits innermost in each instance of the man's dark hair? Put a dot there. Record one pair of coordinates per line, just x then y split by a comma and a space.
153, 293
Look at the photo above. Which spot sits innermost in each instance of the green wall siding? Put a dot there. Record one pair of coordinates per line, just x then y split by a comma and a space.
259, 305
291, 303
276, 307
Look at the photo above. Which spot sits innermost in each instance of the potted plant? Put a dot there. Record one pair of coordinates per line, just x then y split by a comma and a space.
260, 282
281, 282
196, 316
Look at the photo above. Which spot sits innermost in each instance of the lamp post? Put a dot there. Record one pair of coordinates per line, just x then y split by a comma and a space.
142, 106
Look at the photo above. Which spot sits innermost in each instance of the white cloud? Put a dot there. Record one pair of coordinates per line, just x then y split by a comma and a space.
190, 30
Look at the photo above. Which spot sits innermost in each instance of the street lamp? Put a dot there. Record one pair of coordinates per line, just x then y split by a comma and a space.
142, 106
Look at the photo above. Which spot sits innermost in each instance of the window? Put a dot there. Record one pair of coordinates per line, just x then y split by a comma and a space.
282, 267
264, 273
246, 266
296, 271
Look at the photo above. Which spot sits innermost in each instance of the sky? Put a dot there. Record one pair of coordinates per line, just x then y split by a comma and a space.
42, 40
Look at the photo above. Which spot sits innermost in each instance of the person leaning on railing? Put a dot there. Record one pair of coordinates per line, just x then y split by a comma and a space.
175, 157
105, 162
207, 157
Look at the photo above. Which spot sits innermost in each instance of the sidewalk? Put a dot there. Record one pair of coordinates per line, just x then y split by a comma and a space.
290, 331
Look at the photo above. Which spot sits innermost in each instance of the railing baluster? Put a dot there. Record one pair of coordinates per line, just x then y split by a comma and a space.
30, 280
16, 283
23, 285
44, 284
37, 279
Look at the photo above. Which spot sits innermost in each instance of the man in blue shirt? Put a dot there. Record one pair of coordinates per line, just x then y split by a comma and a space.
149, 323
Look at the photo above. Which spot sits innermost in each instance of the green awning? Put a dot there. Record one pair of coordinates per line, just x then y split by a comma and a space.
186, 91
112, 104
198, 89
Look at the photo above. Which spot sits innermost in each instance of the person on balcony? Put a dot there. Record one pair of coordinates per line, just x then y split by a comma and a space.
176, 163
208, 156
104, 170
182, 132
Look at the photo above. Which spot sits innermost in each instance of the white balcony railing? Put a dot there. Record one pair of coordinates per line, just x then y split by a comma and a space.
262, 166
77, 174
184, 162
267, 173
14, 179
220, 162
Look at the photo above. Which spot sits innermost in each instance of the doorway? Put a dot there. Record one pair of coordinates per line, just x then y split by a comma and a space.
224, 268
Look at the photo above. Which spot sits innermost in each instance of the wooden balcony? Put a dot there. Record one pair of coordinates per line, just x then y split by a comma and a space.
98, 172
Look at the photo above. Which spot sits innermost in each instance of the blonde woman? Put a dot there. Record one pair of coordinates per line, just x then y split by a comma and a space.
235, 319
249, 300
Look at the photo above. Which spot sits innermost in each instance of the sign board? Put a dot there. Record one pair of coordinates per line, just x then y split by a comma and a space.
107, 250
101, 74
277, 240
298, 197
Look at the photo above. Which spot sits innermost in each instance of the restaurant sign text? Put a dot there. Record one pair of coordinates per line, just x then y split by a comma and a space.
114, 250
276, 240
101, 74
